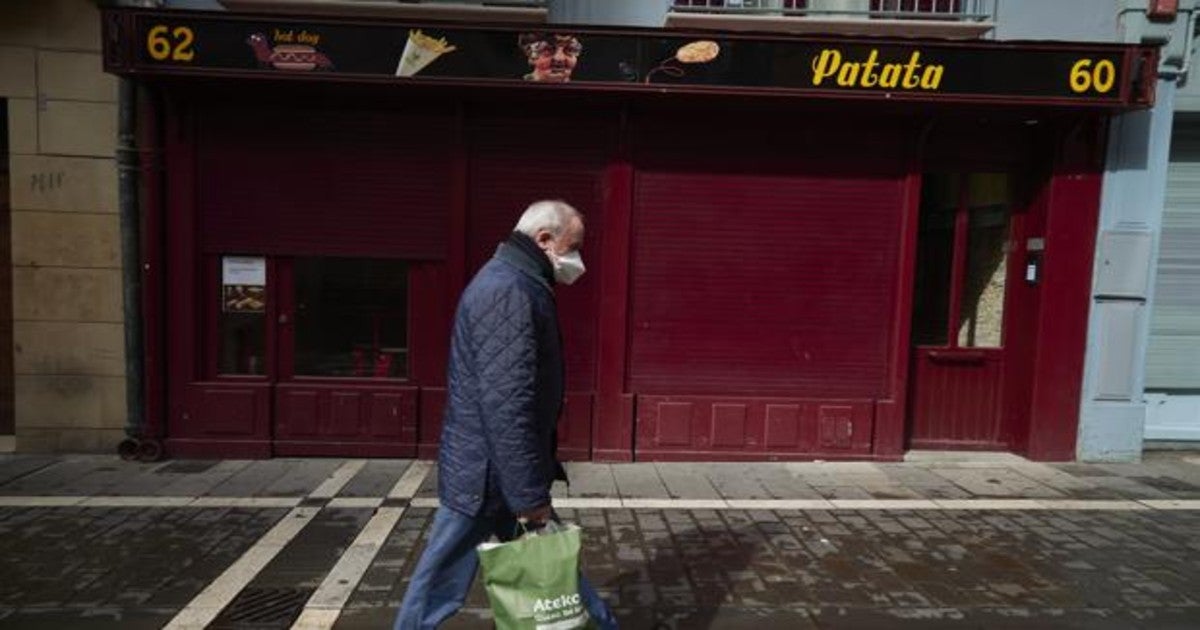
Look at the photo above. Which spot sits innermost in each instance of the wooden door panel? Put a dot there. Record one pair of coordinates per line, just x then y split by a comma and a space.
575, 428
358, 418
708, 427
957, 398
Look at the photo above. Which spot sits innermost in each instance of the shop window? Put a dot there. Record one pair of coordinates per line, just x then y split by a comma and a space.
982, 311
351, 318
242, 323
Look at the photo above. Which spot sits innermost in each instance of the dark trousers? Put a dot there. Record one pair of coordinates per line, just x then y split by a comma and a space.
446, 569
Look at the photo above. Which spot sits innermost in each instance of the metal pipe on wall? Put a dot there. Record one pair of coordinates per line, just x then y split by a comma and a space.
128, 194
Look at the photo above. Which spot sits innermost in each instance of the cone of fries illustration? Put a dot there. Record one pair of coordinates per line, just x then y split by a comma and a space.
419, 51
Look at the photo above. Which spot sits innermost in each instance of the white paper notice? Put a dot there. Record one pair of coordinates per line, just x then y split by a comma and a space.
244, 270
1031, 273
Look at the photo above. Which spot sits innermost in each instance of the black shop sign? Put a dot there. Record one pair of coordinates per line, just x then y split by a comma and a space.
148, 42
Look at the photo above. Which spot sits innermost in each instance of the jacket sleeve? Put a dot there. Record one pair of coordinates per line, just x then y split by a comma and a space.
507, 366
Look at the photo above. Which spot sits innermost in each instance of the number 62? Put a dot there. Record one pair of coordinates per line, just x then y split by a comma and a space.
162, 48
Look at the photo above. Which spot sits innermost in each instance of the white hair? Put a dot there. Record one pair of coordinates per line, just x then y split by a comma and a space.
552, 215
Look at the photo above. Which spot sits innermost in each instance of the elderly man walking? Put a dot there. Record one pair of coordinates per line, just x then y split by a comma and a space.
497, 458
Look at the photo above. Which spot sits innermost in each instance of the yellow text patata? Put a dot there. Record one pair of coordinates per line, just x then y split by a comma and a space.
830, 68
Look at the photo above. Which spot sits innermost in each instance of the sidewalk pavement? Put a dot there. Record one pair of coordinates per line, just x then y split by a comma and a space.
942, 540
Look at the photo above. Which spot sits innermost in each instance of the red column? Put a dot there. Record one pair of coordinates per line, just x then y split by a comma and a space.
1073, 200
612, 425
891, 414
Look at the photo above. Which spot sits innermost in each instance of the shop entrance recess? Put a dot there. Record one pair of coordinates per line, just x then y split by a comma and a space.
973, 282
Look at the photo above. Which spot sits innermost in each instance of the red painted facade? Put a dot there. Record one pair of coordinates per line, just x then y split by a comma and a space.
752, 265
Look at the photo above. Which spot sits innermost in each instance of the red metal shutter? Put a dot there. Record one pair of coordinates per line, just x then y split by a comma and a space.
518, 159
764, 259
320, 182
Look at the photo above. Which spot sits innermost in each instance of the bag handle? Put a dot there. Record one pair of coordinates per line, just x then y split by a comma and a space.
521, 528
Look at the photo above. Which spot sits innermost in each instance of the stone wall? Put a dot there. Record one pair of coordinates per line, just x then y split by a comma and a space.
67, 310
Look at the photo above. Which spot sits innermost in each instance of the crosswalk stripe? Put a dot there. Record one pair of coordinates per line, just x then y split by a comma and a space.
326, 603
410, 482
205, 607
338, 480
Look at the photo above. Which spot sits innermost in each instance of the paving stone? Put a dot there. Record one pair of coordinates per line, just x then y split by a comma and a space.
376, 479
686, 481
997, 483
301, 477
590, 480
252, 480
737, 481
199, 483
14, 467
640, 481
782, 483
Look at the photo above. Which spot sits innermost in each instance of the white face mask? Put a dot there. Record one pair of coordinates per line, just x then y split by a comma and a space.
567, 267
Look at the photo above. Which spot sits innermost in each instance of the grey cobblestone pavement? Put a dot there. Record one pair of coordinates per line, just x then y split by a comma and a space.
92, 542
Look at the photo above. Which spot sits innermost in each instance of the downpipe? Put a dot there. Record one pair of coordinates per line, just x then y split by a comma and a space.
135, 445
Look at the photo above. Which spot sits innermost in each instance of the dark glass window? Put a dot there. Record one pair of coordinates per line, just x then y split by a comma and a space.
351, 318
935, 258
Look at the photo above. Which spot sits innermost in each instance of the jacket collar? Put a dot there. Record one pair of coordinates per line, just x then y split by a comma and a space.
521, 252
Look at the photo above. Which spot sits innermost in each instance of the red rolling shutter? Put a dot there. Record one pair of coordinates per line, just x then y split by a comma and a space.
333, 183
516, 160
764, 260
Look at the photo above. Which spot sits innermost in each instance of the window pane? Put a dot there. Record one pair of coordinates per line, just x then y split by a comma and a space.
981, 317
935, 254
242, 347
242, 323
351, 318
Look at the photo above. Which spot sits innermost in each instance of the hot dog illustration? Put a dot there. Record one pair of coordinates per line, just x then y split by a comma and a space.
298, 57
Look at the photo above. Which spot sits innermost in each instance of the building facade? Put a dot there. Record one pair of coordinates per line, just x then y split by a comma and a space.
63, 378
816, 229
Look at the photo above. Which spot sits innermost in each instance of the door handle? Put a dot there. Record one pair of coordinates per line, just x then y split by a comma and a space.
957, 357
284, 319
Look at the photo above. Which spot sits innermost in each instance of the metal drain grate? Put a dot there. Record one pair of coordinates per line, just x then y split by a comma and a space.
262, 607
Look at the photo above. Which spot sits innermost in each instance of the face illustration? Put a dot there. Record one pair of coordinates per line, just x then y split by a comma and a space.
551, 57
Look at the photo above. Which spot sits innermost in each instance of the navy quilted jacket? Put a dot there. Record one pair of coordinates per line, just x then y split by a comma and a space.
505, 387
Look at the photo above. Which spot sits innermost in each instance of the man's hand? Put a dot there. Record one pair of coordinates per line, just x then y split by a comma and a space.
536, 516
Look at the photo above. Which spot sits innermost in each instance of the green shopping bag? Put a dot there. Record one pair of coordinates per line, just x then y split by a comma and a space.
532, 582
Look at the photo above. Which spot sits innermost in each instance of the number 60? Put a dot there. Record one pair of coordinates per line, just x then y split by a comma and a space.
1085, 76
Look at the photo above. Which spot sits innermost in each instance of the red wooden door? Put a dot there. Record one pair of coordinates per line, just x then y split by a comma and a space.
964, 301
